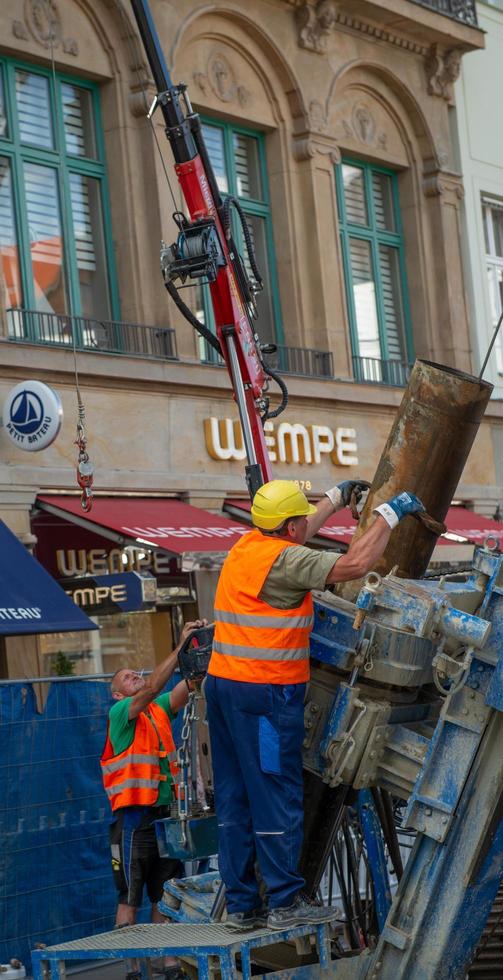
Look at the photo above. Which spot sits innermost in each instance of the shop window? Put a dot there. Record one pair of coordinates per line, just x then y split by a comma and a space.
55, 244
128, 639
238, 159
492, 212
373, 255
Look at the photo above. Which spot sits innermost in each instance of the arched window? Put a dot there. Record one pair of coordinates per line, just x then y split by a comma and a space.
374, 268
237, 156
55, 241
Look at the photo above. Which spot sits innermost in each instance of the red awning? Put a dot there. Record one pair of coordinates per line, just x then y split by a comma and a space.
462, 525
151, 521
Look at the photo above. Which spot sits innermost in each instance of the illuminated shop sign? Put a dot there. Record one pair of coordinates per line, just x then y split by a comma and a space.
32, 415
286, 442
98, 561
128, 592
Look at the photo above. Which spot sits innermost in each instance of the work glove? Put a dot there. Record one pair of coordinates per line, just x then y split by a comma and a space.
398, 507
340, 496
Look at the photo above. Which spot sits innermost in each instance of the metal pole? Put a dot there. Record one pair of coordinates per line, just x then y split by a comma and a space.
237, 384
491, 345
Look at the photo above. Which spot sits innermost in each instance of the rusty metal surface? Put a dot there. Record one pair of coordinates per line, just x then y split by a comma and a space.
426, 451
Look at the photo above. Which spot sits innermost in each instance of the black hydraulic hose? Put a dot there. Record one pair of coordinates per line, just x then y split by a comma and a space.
284, 394
384, 807
233, 202
194, 322
392, 841
353, 871
353, 935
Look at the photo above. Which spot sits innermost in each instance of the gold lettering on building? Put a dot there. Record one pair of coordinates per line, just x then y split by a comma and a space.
93, 597
72, 562
288, 442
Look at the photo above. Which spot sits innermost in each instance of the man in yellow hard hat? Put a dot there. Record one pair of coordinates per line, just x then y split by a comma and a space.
256, 686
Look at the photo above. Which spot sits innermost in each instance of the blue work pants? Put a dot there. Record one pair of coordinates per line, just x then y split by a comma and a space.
256, 733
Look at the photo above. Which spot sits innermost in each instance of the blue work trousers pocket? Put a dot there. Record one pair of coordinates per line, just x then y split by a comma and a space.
269, 746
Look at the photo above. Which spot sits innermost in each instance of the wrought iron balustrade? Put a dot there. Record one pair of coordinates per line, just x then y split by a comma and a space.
462, 10
111, 336
306, 362
373, 370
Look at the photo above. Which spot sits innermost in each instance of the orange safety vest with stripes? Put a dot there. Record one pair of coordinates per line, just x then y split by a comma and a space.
255, 642
132, 778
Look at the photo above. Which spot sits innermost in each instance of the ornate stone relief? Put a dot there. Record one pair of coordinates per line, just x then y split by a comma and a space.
363, 127
438, 183
42, 22
315, 24
317, 20
220, 78
442, 70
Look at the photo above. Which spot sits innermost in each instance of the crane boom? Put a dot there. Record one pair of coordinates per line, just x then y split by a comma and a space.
205, 251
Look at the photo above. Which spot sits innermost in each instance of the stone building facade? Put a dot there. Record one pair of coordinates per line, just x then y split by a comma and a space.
332, 122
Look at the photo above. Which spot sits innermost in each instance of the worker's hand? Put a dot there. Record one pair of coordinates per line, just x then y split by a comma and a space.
340, 496
190, 627
398, 507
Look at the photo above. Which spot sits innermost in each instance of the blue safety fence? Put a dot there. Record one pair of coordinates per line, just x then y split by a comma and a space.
55, 871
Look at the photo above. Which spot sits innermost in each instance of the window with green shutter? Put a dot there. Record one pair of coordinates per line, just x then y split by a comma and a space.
55, 244
238, 159
373, 255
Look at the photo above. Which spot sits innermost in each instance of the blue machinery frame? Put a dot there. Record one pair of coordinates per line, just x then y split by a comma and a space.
441, 752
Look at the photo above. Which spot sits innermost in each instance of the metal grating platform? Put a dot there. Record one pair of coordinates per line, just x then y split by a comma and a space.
198, 940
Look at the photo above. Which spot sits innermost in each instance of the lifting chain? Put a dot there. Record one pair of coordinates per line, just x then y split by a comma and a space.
185, 762
85, 468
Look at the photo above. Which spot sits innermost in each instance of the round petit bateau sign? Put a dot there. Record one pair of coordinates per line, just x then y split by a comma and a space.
32, 415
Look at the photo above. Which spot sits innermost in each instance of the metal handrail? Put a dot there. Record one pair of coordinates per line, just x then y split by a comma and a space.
86, 333
461, 10
375, 370
305, 362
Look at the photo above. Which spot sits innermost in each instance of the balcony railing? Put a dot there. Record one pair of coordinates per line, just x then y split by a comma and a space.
381, 372
462, 10
111, 336
305, 362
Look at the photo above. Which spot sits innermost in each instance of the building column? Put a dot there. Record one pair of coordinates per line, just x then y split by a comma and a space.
325, 318
450, 338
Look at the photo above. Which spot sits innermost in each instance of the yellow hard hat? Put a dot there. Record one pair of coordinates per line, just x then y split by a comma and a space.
276, 502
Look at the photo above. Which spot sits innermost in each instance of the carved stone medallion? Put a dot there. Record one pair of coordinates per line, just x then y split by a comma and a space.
363, 123
222, 78
44, 21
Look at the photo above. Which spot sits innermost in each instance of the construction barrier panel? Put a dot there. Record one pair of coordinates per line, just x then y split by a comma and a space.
55, 871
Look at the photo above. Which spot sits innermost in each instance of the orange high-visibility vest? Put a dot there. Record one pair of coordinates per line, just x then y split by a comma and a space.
256, 642
132, 778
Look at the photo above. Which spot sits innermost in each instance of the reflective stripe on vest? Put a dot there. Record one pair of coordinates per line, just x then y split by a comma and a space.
261, 653
133, 759
240, 619
132, 784
132, 777
254, 641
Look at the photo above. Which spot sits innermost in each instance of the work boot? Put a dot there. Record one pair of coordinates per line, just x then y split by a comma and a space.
243, 921
302, 912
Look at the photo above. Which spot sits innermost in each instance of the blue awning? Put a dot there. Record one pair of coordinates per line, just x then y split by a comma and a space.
30, 600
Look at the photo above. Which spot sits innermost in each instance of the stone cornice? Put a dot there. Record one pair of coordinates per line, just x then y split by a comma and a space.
317, 20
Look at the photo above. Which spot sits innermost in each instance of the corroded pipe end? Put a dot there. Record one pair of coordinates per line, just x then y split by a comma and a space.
425, 453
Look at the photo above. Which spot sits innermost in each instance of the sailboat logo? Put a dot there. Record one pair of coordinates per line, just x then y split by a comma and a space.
26, 412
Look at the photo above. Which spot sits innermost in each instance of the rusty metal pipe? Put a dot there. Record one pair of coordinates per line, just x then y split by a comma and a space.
426, 451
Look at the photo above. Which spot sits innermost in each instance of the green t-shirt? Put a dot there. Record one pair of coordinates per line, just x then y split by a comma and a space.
296, 571
122, 731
